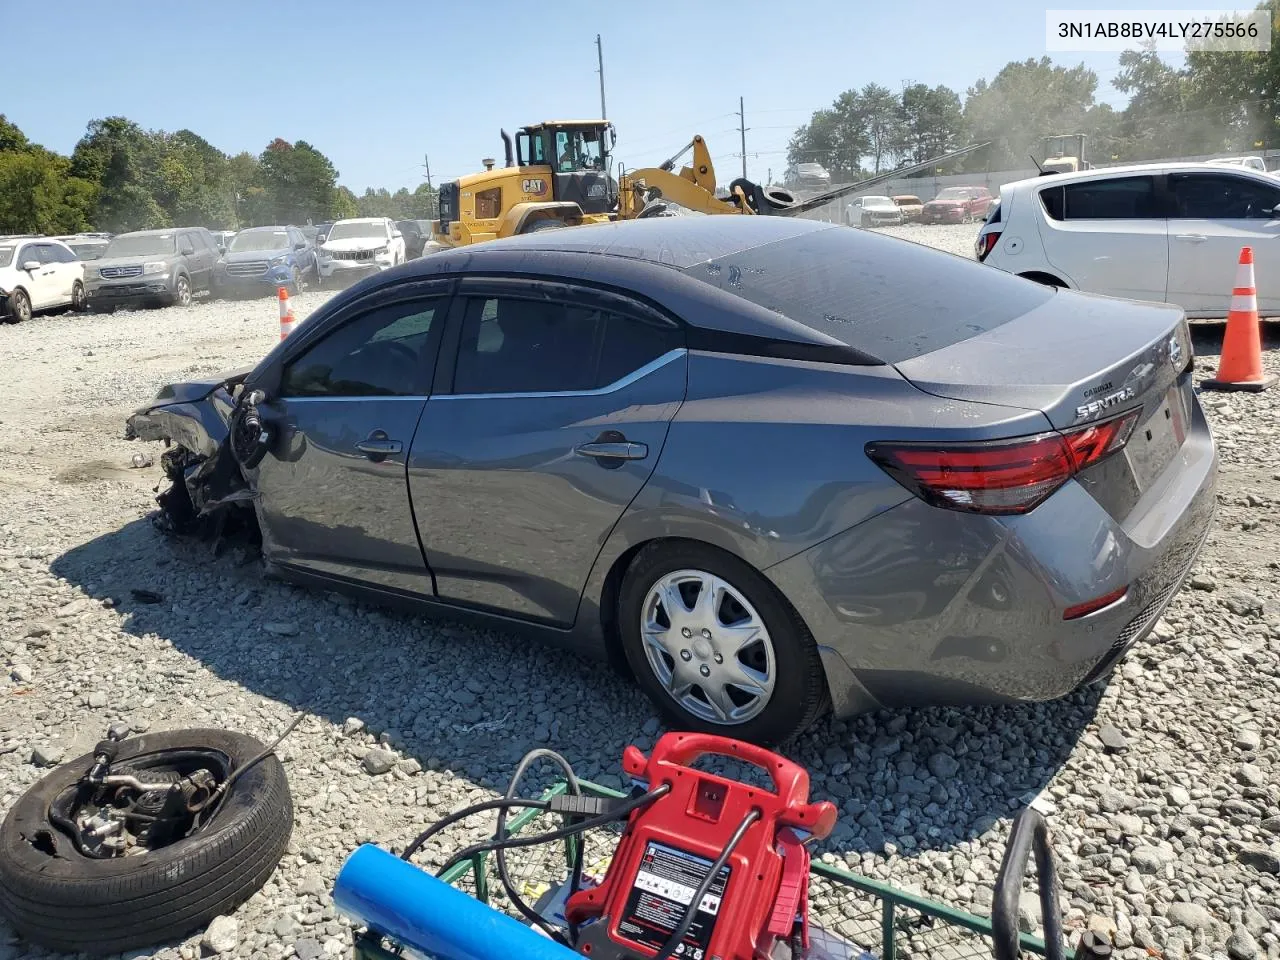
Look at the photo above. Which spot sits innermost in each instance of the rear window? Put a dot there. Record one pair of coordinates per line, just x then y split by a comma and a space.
865, 290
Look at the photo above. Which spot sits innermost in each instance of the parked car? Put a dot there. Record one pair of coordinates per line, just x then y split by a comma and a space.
356, 248
221, 238
1249, 163
872, 212
1165, 232
261, 259
715, 450
812, 175
37, 274
957, 205
87, 246
416, 234
322, 231
152, 266
910, 206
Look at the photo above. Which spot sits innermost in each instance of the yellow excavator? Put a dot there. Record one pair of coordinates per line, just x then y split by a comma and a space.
558, 174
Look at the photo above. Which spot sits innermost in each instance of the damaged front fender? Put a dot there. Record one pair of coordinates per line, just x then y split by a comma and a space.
194, 420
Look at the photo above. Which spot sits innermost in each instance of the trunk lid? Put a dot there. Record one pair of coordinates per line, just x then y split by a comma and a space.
1080, 359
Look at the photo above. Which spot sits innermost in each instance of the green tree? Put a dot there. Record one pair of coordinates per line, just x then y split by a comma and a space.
345, 205
299, 181
1027, 101
878, 111
11, 138
38, 195
119, 156
932, 122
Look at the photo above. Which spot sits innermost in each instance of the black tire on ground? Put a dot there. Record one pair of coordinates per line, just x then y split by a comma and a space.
78, 300
19, 306
295, 277
181, 296
74, 903
800, 696
544, 224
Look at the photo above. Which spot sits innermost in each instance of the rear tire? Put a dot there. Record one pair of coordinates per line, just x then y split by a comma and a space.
539, 225
70, 902
799, 693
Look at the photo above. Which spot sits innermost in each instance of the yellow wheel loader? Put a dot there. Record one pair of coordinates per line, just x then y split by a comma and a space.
558, 174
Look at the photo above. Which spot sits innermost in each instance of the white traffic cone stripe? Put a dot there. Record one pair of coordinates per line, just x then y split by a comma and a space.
1246, 303
1244, 275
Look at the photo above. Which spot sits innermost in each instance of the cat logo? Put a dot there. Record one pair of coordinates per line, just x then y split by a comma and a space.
535, 185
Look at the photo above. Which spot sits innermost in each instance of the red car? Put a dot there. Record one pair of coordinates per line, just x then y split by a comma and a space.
958, 205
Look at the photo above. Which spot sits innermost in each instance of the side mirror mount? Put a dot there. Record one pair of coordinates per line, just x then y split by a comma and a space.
30, 265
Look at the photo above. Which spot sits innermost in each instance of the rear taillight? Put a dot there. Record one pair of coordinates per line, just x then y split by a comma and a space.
985, 243
1002, 476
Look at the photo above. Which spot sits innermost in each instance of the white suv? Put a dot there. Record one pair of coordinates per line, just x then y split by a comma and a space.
38, 273
1165, 232
361, 246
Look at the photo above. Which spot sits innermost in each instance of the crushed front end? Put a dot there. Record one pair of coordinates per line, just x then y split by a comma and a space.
208, 494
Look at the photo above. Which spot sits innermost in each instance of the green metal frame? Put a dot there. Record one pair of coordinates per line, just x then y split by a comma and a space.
891, 899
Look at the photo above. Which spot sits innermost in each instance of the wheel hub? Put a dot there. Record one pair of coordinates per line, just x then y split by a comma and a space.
708, 647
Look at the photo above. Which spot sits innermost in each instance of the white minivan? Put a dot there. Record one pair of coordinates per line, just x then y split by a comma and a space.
38, 273
1165, 232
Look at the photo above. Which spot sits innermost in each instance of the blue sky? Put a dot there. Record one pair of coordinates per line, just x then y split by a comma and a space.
375, 86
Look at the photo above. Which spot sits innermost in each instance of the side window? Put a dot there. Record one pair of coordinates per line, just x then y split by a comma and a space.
1123, 198
533, 346
387, 352
63, 254
45, 253
185, 245
27, 254
1215, 196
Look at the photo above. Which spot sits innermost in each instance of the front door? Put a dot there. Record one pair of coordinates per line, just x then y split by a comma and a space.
556, 415
1108, 236
40, 281
333, 497
1211, 217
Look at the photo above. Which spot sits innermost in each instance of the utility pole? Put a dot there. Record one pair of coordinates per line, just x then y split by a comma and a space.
742, 130
426, 162
600, 70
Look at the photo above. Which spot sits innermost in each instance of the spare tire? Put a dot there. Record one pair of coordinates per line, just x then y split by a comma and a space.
57, 897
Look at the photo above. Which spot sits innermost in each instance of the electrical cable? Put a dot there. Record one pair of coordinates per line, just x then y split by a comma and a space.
462, 814
617, 813
240, 770
691, 911
528, 760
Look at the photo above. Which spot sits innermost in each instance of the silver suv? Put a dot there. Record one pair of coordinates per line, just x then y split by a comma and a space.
152, 266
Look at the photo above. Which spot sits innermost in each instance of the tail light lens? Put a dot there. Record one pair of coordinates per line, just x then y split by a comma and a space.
985, 243
1003, 476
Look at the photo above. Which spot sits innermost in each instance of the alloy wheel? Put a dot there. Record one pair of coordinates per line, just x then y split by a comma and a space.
708, 647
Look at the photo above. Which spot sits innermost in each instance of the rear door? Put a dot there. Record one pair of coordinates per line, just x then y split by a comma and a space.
1108, 235
1211, 217
68, 269
552, 420
334, 499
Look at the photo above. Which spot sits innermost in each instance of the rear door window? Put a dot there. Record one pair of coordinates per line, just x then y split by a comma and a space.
1120, 198
1221, 196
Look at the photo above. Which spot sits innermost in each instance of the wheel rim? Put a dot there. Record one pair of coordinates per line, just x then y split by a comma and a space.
21, 307
708, 647
77, 297
184, 291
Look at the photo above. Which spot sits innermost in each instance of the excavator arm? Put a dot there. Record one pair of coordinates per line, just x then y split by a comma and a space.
642, 192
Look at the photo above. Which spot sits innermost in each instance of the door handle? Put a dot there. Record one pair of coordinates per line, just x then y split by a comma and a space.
1191, 237
613, 450
378, 446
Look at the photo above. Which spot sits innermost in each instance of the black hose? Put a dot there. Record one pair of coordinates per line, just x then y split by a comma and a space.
504, 877
691, 911
244, 767
617, 813
462, 814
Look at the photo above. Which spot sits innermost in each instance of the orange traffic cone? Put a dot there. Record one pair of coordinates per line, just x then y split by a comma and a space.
1240, 366
286, 313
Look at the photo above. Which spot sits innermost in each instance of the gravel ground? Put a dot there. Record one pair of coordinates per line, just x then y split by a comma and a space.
1171, 843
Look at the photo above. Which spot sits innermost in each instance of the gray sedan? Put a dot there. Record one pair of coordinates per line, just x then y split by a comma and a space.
771, 467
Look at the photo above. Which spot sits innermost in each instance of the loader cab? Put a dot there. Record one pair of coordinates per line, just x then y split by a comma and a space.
578, 154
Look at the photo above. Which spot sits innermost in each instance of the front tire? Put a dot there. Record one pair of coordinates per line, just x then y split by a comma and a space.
716, 647
78, 299
181, 291
56, 896
19, 306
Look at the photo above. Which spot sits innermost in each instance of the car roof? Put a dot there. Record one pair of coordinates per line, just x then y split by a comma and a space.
251, 229
155, 233
788, 284
1130, 169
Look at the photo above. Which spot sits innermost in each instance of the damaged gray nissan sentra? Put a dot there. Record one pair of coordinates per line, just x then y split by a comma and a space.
768, 466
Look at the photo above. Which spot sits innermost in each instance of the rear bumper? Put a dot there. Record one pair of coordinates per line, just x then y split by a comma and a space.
930, 606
